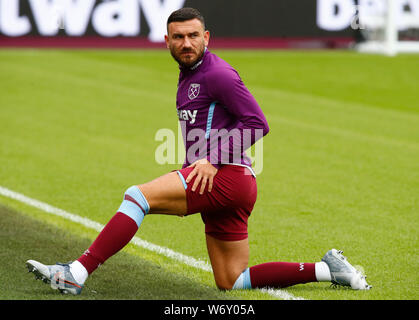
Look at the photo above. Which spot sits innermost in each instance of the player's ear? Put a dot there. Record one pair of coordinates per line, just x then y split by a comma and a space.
166, 38
206, 37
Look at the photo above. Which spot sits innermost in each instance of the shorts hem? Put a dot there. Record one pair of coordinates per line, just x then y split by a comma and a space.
228, 236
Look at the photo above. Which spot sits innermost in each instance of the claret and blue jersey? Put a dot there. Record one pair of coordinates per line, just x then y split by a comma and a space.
212, 100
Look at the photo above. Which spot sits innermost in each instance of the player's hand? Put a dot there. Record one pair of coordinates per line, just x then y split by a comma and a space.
204, 172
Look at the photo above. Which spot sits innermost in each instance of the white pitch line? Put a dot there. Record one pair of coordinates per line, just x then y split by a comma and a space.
190, 261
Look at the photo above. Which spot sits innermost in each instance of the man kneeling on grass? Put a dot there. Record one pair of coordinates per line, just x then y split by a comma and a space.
218, 183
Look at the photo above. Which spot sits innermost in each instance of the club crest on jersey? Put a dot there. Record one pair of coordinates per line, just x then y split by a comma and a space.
193, 91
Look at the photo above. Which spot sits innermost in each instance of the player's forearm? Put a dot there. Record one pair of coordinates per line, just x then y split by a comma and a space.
228, 146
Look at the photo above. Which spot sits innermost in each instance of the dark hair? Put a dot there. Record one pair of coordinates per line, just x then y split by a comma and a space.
185, 14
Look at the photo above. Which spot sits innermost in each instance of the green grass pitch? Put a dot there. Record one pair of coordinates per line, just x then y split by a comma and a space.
340, 167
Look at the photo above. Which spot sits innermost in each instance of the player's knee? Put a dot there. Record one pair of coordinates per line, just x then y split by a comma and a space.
224, 284
134, 204
134, 193
226, 281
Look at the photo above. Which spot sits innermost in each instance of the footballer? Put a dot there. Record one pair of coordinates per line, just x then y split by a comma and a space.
216, 180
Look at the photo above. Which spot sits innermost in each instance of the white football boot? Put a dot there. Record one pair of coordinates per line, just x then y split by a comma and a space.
343, 273
58, 276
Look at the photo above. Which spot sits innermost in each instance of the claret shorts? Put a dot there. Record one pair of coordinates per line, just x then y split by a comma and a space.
226, 209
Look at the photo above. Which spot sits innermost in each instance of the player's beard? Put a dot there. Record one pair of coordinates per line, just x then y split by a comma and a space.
185, 62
